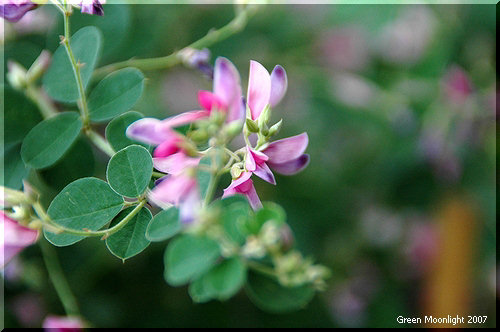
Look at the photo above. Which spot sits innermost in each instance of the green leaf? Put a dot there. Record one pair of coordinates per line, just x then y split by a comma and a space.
59, 81
235, 216
199, 292
164, 225
269, 211
77, 163
14, 170
203, 176
116, 93
47, 142
269, 295
225, 279
188, 257
130, 170
131, 239
86, 203
115, 131
20, 116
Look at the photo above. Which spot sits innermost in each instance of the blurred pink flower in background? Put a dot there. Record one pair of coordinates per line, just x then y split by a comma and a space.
63, 324
14, 10
28, 308
421, 246
14, 238
344, 48
456, 84
405, 40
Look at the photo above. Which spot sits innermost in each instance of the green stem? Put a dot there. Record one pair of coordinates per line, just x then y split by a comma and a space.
106, 233
212, 37
58, 279
100, 142
46, 107
212, 184
158, 174
76, 70
261, 268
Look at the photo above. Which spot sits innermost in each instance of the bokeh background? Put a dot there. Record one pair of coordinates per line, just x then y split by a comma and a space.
399, 199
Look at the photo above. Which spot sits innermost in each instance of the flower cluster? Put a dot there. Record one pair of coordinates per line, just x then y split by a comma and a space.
223, 115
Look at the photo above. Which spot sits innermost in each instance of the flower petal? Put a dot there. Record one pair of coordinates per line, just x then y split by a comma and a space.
14, 238
168, 147
148, 130
184, 118
173, 189
191, 206
175, 163
253, 198
279, 84
263, 172
291, 167
58, 323
287, 149
227, 88
259, 89
235, 183
210, 101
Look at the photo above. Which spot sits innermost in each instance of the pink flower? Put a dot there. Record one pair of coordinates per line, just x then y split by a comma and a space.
457, 85
63, 324
14, 10
265, 89
14, 238
244, 185
92, 7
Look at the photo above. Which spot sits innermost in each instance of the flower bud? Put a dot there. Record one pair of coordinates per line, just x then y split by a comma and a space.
16, 75
233, 128
253, 248
252, 126
38, 67
236, 170
264, 129
265, 116
199, 135
275, 128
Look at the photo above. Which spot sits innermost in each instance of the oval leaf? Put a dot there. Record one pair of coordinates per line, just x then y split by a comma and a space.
129, 171
115, 131
116, 93
225, 279
87, 203
131, 239
164, 225
59, 81
14, 170
187, 257
270, 296
47, 142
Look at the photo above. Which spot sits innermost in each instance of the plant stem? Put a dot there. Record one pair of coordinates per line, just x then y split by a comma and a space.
105, 233
261, 268
58, 279
100, 142
235, 25
46, 108
76, 69
212, 184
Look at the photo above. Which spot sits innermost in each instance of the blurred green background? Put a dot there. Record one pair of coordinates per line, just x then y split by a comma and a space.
399, 199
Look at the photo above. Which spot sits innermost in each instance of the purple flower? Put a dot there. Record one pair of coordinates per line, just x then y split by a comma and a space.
265, 89
244, 185
14, 10
14, 239
63, 324
92, 7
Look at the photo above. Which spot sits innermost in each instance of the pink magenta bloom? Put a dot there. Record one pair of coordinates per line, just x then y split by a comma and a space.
92, 7
63, 324
14, 238
265, 89
457, 85
14, 10
244, 185
226, 97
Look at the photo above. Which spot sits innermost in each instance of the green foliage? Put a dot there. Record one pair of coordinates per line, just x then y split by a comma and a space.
87, 203
47, 142
204, 175
164, 225
115, 94
221, 282
115, 131
14, 169
270, 296
20, 116
130, 170
269, 211
77, 163
131, 239
187, 257
59, 81
236, 217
